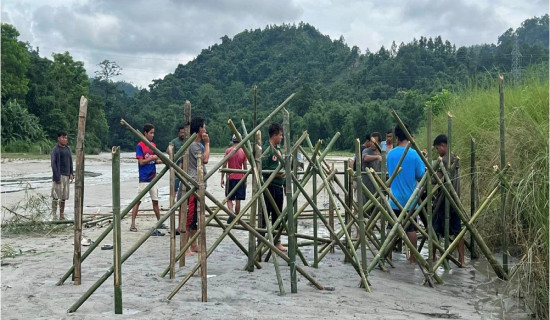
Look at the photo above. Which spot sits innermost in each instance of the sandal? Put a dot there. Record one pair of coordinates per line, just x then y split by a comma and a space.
133, 229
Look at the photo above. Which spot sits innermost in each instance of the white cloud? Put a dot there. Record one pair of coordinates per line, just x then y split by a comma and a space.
148, 39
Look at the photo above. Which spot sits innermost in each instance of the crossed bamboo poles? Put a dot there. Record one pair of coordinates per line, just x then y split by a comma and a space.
317, 167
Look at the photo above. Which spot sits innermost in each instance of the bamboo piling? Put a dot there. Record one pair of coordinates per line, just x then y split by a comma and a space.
79, 191
115, 153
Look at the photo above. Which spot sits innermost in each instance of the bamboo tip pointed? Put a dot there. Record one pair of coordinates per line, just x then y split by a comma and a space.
495, 168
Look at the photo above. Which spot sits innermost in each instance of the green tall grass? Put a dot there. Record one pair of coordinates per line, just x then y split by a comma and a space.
475, 114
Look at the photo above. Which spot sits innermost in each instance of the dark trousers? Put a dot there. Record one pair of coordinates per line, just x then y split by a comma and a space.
278, 195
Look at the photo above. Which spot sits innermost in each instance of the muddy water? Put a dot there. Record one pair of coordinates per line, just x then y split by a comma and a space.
491, 297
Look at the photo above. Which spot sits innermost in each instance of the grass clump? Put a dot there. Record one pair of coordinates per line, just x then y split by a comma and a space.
476, 115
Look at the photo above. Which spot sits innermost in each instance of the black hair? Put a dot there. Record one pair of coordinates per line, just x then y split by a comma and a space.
389, 131
196, 124
61, 134
400, 133
376, 134
274, 129
181, 128
148, 127
367, 137
440, 139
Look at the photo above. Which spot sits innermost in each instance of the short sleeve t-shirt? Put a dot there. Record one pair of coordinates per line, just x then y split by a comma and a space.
405, 182
178, 143
194, 150
270, 162
236, 162
148, 171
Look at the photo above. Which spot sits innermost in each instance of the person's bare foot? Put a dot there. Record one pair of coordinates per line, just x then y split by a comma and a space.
61, 217
189, 252
194, 248
281, 247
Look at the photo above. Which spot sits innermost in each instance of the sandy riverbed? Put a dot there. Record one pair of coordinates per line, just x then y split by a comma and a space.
29, 288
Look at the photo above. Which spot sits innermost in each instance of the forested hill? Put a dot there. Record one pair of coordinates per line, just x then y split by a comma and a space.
338, 88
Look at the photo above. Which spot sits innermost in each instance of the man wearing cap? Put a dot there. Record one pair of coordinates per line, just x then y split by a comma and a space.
236, 161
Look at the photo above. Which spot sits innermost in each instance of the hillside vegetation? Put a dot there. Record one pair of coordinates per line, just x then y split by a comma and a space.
337, 88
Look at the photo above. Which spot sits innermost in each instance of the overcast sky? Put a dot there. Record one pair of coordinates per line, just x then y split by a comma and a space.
148, 39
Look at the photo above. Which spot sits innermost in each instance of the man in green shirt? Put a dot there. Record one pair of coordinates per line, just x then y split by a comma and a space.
270, 162
178, 143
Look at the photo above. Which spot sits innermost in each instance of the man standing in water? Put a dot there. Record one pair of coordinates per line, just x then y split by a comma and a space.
62, 169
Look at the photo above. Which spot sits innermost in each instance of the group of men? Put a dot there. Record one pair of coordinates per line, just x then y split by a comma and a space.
402, 187
405, 182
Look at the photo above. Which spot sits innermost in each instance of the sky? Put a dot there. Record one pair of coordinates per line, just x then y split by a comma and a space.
149, 38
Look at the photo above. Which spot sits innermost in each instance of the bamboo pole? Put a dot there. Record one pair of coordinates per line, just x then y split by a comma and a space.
472, 191
185, 167
348, 179
202, 226
315, 223
331, 216
115, 151
254, 209
360, 213
447, 167
502, 165
172, 217
290, 205
429, 190
79, 190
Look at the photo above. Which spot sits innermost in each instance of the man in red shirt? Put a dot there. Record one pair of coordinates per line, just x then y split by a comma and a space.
237, 161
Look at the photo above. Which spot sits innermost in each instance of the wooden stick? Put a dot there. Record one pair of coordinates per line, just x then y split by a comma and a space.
172, 217
79, 190
115, 153
504, 227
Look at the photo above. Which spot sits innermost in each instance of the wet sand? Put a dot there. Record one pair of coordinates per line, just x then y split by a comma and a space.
29, 280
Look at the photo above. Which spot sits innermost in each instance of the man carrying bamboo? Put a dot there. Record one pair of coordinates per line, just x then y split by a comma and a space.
405, 182
440, 144
62, 169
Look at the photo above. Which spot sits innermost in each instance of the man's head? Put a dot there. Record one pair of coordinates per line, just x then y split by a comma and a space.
197, 126
440, 144
400, 134
234, 139
149, 131
181, 132
275, 133
376, 136
389, 137
367, 143
62, 138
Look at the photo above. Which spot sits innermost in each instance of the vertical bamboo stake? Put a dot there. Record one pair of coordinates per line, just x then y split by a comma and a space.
290, 205
172, 217
472, 191
117, 263
331, 216
185, 167
257, 149
202, 226
315, 242
79, 190
348, 193
384, 172
360, 213
447, 167
429, 190
503, 165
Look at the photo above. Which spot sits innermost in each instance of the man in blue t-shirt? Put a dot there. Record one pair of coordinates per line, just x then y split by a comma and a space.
405, 182
147, 161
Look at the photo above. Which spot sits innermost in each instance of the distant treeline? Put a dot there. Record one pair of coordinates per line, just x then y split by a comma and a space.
337, 88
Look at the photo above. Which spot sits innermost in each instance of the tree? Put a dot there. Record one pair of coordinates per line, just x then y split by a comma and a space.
15, 62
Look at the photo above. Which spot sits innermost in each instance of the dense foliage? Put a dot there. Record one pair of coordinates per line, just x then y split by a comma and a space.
337, 88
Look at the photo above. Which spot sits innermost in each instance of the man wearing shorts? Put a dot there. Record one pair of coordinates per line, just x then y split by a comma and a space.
147, 161
62, 169
237, 161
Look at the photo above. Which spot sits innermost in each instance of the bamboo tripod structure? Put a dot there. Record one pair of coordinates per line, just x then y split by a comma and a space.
371, 228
